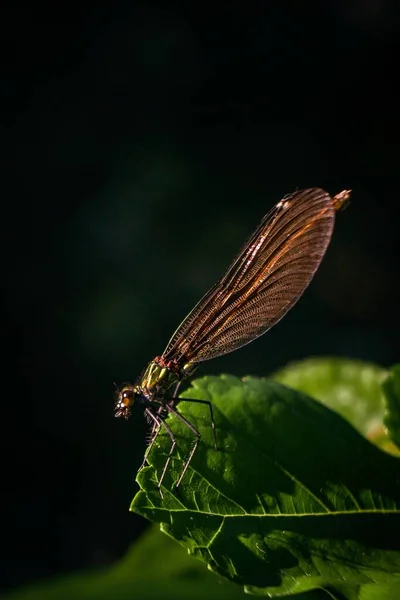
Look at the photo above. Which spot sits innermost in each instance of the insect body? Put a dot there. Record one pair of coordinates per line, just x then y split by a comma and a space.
264, 281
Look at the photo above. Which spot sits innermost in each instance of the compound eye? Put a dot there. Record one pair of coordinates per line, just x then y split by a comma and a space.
126, 397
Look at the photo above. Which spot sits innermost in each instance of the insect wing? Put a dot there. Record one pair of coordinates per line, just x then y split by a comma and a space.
265, 280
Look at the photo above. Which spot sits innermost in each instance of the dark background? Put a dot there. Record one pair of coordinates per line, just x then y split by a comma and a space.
143, 143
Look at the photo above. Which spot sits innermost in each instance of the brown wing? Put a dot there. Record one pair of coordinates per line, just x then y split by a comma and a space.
264, 281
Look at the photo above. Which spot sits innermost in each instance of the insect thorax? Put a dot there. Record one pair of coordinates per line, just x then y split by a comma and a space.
161, 378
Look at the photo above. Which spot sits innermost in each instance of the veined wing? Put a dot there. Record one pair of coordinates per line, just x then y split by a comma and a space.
265, 280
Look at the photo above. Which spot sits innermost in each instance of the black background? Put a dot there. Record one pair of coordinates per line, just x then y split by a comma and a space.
143, 143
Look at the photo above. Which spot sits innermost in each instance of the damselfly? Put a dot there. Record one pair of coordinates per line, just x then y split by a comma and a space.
265, 280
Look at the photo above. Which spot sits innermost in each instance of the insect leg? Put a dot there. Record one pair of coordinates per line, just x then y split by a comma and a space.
196, 433
159, 421
155, 430
211, 414
176, 390
173, 440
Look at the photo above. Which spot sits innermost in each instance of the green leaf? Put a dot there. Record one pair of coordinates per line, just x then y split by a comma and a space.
155, 567
294, 500
354, 389
382, 592
350, 387
391, 387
